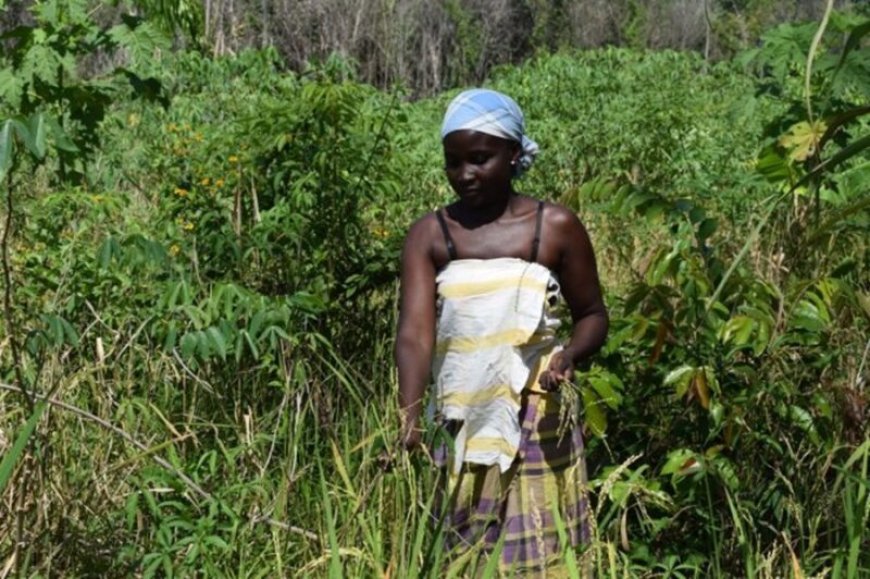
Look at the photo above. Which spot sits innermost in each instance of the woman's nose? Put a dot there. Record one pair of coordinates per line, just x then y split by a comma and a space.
466, 173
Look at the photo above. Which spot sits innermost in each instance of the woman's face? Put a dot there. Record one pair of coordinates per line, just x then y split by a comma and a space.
478, 166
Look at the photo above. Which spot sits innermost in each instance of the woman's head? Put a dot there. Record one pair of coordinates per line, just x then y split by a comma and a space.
493, 113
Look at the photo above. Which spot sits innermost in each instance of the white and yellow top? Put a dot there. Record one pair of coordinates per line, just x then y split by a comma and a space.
495, 335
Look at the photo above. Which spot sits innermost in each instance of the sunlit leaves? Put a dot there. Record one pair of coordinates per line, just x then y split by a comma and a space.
10, 86
750, 329
139, 38
39, 74
600, 390
681, 463
693, 383
684, 463
802, 140
6, 148
59, 12
32, 134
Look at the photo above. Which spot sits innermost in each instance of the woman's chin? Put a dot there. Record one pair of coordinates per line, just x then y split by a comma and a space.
470, 202
473, 200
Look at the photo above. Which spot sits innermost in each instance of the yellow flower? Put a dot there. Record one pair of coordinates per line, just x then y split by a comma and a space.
188, 226
233, 159
219, 183
174, 250
205, 182
381, 232
181, 192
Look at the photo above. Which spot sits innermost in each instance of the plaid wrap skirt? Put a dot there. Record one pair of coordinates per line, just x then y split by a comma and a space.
529, 515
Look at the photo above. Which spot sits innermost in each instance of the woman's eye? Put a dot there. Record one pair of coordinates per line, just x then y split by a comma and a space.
479, 159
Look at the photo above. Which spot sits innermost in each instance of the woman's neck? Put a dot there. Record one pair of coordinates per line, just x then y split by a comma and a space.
472, 218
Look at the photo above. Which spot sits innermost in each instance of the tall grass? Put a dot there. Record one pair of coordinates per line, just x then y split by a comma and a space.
276, 492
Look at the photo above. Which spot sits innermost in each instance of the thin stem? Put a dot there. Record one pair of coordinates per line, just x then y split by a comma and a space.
814, 47
829, 6
11, 330
708, 33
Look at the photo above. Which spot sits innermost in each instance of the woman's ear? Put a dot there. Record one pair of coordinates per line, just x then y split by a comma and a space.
516, 153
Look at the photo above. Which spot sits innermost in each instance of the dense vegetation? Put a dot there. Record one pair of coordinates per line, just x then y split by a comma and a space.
430, 46
199, 264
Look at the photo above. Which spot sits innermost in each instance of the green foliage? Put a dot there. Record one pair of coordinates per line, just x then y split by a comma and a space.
171, 15
40, 75
221, 289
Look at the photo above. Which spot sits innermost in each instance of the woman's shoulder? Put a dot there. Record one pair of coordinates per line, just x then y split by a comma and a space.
422, 231
562, 233
558, 217
425, 224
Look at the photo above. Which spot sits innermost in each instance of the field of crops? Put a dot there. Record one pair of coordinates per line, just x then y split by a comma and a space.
199, 281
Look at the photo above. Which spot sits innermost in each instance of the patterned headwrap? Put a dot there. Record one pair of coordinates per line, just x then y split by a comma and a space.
491, 112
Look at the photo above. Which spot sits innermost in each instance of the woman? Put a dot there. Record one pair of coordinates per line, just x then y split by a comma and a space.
480, 279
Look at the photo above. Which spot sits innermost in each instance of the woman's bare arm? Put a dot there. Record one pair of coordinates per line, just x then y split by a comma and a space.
578, 277
415, 338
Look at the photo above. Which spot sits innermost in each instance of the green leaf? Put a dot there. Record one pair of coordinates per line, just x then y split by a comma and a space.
188, 345
7, 148
41, 63
70, 334
852, 42
737, 330
171, 336
35, 138
593, 415
216, 541
804, 420
131, 509
10, 88
707, 228
109, 248
218, 340
252, 346
680, 378
607, 386
61, 139
54, 329
140, 40
682, 462
58, 13
11, 457
726, 471
773, 166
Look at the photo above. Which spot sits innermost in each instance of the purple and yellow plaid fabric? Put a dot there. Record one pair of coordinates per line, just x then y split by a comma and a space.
482, 507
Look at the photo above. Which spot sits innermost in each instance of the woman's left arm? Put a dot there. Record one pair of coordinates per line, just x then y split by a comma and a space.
578, 277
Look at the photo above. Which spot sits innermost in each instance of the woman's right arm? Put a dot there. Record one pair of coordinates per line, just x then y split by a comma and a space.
415, 339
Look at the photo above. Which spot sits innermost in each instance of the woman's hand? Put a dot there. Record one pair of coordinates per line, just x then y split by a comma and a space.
409, 440
561, 369
410, 436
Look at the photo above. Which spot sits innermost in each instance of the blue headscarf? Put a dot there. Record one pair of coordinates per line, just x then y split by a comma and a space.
491, 112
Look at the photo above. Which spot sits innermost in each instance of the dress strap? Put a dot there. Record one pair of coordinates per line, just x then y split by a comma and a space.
451, 247
537, 240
